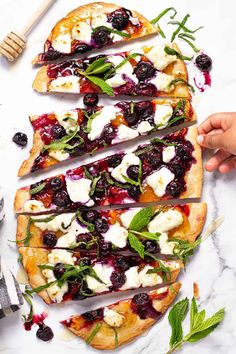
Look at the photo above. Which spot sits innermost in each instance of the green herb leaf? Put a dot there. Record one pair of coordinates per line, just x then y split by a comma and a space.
184, 28
187, 35
62, 144
116, 337
48, 219
148, 235
89, 122
136, 244
176, 316
181, 81
38, 189
175, 119
96, 65
94, 184
29, 317
183, 37
156, 19
111, 30
141, 219
193, 312
28, 234
93, 333
42, 287
171, 51
161, 141
102, 84
182, 23
90, 226
143, 151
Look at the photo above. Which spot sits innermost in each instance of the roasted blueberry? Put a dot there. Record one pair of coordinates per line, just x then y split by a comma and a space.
90, 215
20, 139
105, 248
85, 261
44, 332
153, 159
59, 270
101, 36
203, 62
184, 151
119, 19
134, 192
144, 70
151, 246
121, 263
144, 109
177, 169
51, 54
175, 188
133, 172
141, 299
81, 48
101, 225
58, 131
131, 118
56, 183
83, 240
114, 160
49, 239
108, 133
93, 170
144, 89
61, 199
93, 315
118, 279
90, 100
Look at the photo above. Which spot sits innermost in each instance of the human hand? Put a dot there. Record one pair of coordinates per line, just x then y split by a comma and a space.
218, 132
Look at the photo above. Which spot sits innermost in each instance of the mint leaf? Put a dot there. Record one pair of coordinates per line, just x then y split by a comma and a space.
102, 84
171, 51
111, 30
161, 141
141, 219
200, 335
176, 316
156, 19
146, 234
182, 23
193, 312
95, 65
38, 189
181, 81
183, 37
136, 244
93, 333
211, 321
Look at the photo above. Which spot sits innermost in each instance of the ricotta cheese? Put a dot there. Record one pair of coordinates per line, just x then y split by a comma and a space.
78, 190
60, 256
148, 279
144, 127
128, 160
58, 155
168, 153
162, 82
62, 43
82, 32
68, 84
124, 71
103, 271
105, 116
132, 279
68, 119
67, 240
166, 247
165, 221
173, 265
125, 133
117, 235
100, 20
162, 115
54, 291
113, 318
128, 216
33, 206
159, 57
159, 180
58, 223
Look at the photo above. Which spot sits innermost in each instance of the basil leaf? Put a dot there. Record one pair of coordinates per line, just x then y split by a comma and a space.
146, 234
196, 50
143, 151
116, 337
156, 19
187, 35
184, 28
29, 317
46, 266
95, 64
94, 184
141, 219
130, 181
93, 333
38, 189
161, 141
182, 23
181, 81
175, 119
28, 234
111, 30
42, 287
102, 84
48, 219
136, 244
171, 51
176, 316
90, 119
61, 144
89, 225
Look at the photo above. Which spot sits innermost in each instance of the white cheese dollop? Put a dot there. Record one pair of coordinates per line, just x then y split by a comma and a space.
54, 291
166, 247
105, 116
103, 271
68, 119
125, 133
113, 318
173, 265
100, 19
59, 155
33, 206
168, 153
162, 82
125, 70
56, 224
148, 279
159, 180
144, 127
132, 279
60, 256
128, 160
78, 190
67, 240
117, 235
163, 113
165, 221
68, 83
159, 58
128, 216
62, 43
82, 32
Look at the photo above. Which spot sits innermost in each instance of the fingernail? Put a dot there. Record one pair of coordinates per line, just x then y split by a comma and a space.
200, 139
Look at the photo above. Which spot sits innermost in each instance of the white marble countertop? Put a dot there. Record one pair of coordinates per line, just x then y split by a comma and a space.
213, 266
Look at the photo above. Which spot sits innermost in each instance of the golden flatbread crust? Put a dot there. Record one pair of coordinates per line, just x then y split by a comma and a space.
22, 195
131, 328
91, 11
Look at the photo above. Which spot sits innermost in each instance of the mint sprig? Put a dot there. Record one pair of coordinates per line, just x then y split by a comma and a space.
200, 327
141, 219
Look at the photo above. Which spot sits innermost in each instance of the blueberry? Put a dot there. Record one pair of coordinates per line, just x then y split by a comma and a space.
59, 270
144, 89
90, 100
93, 170
151, 246
203, 62
81, 48
119, 20
101, 225
133, 172
49, 239
58, 131
105, 248
144, 109
121, 263
56, 183
153, 159
177, 169
131, 118
175, 188
93, 315
134, 192
90, 215
20, 139
141, 299
109, 133
61, 199
118, 279
144, 70
83, 240
85, 261
44, 332
51, 54
101, 36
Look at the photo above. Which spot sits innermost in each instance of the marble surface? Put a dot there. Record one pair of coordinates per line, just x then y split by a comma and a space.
213, 266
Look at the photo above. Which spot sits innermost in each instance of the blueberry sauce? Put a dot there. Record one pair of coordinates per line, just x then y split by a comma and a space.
44, 332
141, 304
203, 78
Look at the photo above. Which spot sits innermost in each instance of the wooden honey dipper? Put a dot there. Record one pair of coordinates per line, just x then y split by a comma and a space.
15, 42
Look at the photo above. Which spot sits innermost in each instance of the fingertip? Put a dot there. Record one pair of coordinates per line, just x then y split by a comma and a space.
224, 168
200, 139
